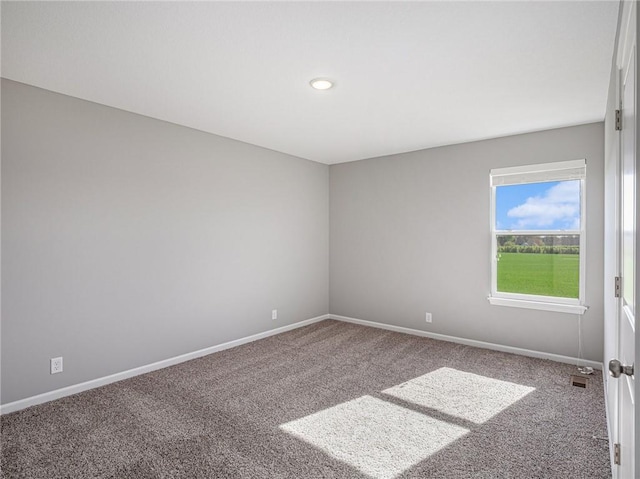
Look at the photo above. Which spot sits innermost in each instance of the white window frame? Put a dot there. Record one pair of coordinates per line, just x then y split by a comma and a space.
546, 172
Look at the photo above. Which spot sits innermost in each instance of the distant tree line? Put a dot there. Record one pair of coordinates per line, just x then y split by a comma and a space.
547, 244
555, 249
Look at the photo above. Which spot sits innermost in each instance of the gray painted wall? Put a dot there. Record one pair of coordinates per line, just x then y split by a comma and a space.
410, 234
127, 240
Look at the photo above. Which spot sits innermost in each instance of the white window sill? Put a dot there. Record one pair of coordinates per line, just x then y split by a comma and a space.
540, 305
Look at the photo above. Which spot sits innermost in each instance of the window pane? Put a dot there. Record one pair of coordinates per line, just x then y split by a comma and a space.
553, 205
546, 265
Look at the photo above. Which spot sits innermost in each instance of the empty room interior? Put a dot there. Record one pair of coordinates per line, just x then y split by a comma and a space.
368, 240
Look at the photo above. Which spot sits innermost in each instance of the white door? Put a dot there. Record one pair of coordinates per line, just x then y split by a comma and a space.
622, 367
628, 267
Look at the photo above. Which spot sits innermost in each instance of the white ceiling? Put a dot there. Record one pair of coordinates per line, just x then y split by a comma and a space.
408, 75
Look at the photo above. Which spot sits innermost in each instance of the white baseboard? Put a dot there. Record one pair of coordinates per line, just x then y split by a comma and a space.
94, 383
471, 342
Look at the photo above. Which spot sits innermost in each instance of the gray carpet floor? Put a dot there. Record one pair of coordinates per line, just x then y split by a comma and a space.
330, 400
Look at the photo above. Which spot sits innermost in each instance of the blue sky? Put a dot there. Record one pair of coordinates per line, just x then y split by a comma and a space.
539, 206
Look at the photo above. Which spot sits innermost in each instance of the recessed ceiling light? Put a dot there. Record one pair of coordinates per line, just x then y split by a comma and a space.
321, 83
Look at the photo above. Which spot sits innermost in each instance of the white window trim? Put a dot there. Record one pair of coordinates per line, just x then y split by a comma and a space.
559, 171
539, 305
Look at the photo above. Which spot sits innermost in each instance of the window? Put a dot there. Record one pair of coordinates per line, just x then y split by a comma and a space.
538, 240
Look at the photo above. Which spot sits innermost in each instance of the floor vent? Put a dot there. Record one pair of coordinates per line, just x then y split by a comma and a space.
579, 381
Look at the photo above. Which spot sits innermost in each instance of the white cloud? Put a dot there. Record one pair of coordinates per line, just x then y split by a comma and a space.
556, 208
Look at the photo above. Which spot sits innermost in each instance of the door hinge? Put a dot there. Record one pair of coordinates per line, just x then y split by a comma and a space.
618, 120
616, 454
617, 287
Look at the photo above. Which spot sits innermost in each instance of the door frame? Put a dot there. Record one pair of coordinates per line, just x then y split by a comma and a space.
612, 269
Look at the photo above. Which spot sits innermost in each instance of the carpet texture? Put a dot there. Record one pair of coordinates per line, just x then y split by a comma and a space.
330, 400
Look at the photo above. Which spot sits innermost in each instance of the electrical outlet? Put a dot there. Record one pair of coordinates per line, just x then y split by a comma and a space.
56, 365
274, 314
427, 317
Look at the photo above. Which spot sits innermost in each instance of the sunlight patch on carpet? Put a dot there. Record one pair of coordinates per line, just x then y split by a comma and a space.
457, 393
379, 438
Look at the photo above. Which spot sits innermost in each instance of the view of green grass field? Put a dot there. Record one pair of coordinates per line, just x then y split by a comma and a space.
541, 274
